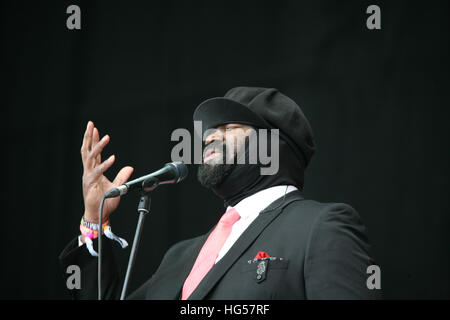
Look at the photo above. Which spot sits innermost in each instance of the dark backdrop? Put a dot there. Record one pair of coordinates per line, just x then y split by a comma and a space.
377, 101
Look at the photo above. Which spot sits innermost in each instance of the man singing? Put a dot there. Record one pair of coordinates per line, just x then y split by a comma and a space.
270, 242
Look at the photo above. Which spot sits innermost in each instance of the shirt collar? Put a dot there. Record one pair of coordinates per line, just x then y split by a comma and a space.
257, 202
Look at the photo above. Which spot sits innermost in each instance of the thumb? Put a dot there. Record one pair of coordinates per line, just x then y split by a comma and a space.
123, 176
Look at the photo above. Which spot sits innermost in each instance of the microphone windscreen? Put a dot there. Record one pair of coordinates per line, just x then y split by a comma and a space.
181, 169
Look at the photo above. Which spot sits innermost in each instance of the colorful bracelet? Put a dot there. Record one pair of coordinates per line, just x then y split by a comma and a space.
92, 225
90, 231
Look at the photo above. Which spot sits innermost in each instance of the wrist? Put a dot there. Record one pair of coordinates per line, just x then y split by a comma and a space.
91, 218
90, 231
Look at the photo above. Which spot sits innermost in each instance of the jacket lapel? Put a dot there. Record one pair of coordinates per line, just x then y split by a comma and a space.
245, 240
182, 274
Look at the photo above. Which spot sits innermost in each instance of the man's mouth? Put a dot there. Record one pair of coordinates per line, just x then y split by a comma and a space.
210, 154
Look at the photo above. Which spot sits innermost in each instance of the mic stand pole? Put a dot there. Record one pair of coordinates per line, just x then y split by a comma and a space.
143, 209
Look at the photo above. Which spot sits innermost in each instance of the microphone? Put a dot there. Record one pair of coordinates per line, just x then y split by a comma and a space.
172, 172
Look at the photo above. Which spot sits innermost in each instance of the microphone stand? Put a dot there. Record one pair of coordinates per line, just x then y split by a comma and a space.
143, 209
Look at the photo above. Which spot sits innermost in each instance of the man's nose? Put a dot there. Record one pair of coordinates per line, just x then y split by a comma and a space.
216, 134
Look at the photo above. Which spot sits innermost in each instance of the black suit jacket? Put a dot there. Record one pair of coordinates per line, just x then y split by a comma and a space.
317, 250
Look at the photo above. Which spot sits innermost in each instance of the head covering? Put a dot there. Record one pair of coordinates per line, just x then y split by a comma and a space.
261, 108
268, 109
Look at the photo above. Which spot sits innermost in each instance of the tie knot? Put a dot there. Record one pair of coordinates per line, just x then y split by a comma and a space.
230, 217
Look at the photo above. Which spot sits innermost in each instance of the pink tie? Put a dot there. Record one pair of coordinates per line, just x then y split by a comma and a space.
210, 250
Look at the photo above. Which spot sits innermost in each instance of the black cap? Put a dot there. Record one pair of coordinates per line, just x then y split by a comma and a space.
261, 108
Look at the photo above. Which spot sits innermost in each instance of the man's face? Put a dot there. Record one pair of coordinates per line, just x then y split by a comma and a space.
222, 145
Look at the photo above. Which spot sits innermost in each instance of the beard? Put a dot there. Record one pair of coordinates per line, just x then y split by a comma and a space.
213, 175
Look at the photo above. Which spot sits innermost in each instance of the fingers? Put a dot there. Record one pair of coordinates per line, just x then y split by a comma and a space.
87, 140
123, 176
91, 154
101, 168
91, 148
91, 160
95, 138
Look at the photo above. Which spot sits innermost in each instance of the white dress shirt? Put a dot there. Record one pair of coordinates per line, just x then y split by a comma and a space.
249, 209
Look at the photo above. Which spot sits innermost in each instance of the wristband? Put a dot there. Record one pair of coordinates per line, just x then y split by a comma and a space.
90, 231
92, 225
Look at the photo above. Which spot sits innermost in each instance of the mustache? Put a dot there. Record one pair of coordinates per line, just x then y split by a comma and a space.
217, 146
230, 154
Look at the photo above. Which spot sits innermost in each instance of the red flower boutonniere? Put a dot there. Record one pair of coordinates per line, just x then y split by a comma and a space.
261, 255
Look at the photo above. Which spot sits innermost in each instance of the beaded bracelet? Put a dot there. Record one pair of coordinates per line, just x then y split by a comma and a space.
90, 231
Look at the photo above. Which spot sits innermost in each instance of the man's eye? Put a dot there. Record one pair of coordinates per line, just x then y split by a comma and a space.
230, 128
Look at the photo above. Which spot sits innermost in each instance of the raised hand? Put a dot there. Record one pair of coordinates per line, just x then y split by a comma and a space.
95, 184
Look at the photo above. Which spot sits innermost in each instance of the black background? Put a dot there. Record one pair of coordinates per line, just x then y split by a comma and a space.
377, 101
